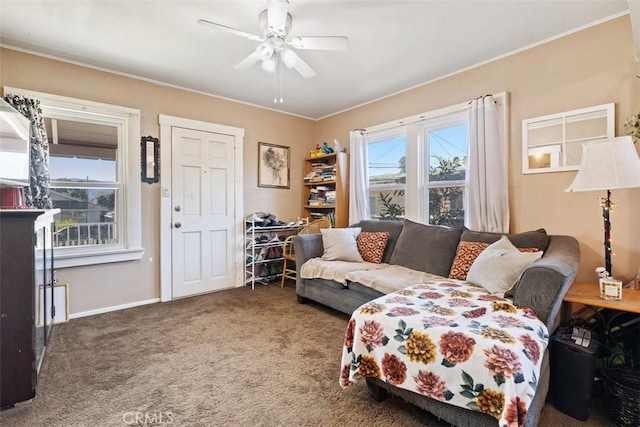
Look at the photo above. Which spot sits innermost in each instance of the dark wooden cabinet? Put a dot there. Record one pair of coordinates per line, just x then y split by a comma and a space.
26, 300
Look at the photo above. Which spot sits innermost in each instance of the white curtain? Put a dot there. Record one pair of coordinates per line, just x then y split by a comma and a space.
487, 181
358, 178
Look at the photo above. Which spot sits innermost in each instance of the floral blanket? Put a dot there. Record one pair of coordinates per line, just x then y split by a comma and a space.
450, 341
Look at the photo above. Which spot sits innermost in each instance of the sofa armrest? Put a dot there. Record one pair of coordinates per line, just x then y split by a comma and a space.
543, 285
306, 246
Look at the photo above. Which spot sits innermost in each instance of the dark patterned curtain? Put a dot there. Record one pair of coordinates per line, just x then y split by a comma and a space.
37, 194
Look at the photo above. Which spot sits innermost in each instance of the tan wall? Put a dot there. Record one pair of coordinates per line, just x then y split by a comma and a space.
592, 67
110, 285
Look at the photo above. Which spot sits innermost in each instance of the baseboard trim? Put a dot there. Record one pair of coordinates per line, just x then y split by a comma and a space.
113, 308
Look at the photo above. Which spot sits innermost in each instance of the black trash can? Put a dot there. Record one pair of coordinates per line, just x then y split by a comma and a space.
573, 368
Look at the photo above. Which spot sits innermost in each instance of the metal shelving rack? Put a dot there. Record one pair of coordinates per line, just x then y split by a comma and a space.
256, 261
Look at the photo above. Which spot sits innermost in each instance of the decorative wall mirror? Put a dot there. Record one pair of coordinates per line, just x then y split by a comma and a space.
150, 165
553, 143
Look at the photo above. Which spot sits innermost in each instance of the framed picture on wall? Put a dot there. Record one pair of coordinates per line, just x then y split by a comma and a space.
273, 165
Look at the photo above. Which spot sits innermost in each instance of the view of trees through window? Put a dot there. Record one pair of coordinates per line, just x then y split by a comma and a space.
387, 177
444, 182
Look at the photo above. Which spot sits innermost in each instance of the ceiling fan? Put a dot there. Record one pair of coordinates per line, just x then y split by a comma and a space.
275, 23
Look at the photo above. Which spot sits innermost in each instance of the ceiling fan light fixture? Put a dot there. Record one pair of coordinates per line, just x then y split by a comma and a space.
289, 58
269, 65
264, 50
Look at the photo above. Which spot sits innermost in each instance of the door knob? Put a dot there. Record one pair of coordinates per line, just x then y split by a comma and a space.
177, 225
177, 208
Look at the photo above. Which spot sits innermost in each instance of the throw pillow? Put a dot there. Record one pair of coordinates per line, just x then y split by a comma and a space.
371, 245
498, 267
427, 248
340, 244
466, 255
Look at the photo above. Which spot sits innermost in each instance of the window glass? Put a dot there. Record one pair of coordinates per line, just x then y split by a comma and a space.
387, 156
83, 160
445, 181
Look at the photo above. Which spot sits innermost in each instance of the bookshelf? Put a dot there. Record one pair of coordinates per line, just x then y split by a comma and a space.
326, 188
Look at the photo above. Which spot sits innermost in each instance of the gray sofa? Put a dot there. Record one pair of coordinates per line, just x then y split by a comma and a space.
432, 249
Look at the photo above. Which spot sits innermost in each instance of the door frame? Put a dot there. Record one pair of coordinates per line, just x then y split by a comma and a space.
166, 125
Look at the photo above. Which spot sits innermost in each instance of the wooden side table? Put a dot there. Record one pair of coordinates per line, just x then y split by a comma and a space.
589, 294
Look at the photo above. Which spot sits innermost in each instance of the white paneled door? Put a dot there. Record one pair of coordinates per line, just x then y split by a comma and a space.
202, 204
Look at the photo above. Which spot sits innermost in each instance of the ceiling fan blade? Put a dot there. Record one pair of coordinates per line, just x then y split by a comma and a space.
277, 16
303, 68
230, 30
247, 62
320, 42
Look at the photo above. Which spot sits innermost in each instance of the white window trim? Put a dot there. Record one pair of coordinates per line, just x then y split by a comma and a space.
128, 121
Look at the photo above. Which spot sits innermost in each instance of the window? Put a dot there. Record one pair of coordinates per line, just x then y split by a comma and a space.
387, 154
94, 161
83, 160
445, 145
438, 190
418, 165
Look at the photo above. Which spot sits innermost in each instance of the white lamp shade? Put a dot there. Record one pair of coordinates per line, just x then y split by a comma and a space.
608, 164
264, 50
269, 65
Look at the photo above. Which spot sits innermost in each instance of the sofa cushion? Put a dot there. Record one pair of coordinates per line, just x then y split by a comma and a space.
393, 227
372, 245
340, 244
528, 239
428, 248
498, 267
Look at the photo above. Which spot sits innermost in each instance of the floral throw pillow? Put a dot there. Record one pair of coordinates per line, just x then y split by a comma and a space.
467, 253
371, 245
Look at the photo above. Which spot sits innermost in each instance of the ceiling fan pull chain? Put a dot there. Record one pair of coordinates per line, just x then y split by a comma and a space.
281, 81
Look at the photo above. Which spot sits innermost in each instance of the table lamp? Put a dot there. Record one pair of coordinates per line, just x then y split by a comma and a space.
607, 164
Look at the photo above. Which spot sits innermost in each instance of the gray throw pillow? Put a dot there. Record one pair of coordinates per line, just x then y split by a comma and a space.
428, 248
528, 239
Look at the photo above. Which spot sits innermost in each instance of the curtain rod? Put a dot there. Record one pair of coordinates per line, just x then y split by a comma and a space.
428, 115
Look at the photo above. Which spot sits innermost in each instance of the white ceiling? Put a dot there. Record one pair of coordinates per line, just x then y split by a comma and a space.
393, 45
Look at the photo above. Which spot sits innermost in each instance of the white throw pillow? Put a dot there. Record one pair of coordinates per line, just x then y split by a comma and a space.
340, 244
498, 267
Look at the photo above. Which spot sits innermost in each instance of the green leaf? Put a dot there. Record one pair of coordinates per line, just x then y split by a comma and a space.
479, 388
499, 378
448, 364
402, 325
468, 394
467, 379
369, 348
519, 378
448, 395
408, 331
466, 387
402, 349
399, 338
385, 340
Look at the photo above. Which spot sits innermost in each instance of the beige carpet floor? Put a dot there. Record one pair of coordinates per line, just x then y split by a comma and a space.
231, 358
